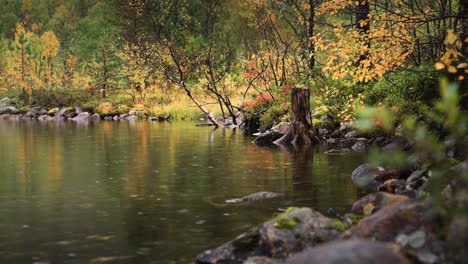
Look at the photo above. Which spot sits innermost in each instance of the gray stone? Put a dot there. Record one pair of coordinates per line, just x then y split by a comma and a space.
365, 176
351, 134
32, 113
43, 117
323, 132
8, 110
347, 142
291, 232
131, 118
82, 117
457, 240
350, 252
254, 197
96, 117
266, 139
393, 222
360, 146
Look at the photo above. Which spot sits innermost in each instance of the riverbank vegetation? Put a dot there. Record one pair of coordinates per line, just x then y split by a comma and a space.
183, 58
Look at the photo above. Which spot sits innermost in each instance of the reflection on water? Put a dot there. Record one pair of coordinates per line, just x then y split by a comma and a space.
147, 192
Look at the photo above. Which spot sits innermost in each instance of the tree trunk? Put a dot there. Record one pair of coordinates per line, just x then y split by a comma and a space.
301, 131
200, 106
311, 35
463, 6
362, 25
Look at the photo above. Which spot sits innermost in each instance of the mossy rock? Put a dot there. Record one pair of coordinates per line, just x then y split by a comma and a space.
287, 223
247, 242
53, 111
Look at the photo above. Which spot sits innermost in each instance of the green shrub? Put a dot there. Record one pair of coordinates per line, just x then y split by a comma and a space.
409, 90
59, 97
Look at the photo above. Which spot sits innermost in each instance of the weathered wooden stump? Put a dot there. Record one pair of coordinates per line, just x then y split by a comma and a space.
301, 131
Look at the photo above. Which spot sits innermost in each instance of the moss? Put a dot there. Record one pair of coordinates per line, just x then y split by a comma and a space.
338, 225
298, 236
318, 239
53, 111
287, 223
410, 254
247, 243
318, 122
355, 218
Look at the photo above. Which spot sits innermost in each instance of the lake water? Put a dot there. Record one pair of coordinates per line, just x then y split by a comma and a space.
148, 192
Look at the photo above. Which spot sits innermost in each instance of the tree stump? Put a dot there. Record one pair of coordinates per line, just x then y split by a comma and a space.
301, 131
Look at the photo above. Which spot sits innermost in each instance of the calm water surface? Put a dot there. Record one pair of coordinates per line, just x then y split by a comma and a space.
147, 192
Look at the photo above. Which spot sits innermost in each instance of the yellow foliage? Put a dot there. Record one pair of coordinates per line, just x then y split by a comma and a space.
50, 44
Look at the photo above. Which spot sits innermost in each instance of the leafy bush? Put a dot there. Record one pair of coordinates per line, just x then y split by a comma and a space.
54, 97
409, 90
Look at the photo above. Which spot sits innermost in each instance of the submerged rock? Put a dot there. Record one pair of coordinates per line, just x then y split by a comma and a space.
350, 252
291, 232
266, 139
254, 197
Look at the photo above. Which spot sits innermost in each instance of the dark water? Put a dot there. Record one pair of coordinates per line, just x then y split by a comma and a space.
147, 192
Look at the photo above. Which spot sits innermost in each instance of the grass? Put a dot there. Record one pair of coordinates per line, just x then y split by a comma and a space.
174, 103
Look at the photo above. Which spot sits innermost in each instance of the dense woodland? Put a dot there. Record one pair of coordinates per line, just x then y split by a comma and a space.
230, 56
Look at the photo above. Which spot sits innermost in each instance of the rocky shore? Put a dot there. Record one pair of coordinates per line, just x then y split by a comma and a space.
382, 227
8, 111
398, 222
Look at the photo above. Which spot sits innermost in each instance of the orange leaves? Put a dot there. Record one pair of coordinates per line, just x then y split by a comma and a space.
450, 60
365, 56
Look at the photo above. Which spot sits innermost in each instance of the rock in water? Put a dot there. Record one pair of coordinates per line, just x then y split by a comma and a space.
290, 232
266, 139
254, 197
350, 252
364, 176
96, 117
82, 117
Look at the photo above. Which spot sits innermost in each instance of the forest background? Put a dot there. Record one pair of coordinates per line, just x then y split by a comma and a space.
177, 57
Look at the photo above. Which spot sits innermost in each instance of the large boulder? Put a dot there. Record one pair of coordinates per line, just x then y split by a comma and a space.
350, 252
8, 110
82, 117
457, 240
290, 232
406, 223
365, 176
397, 143
32, 113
